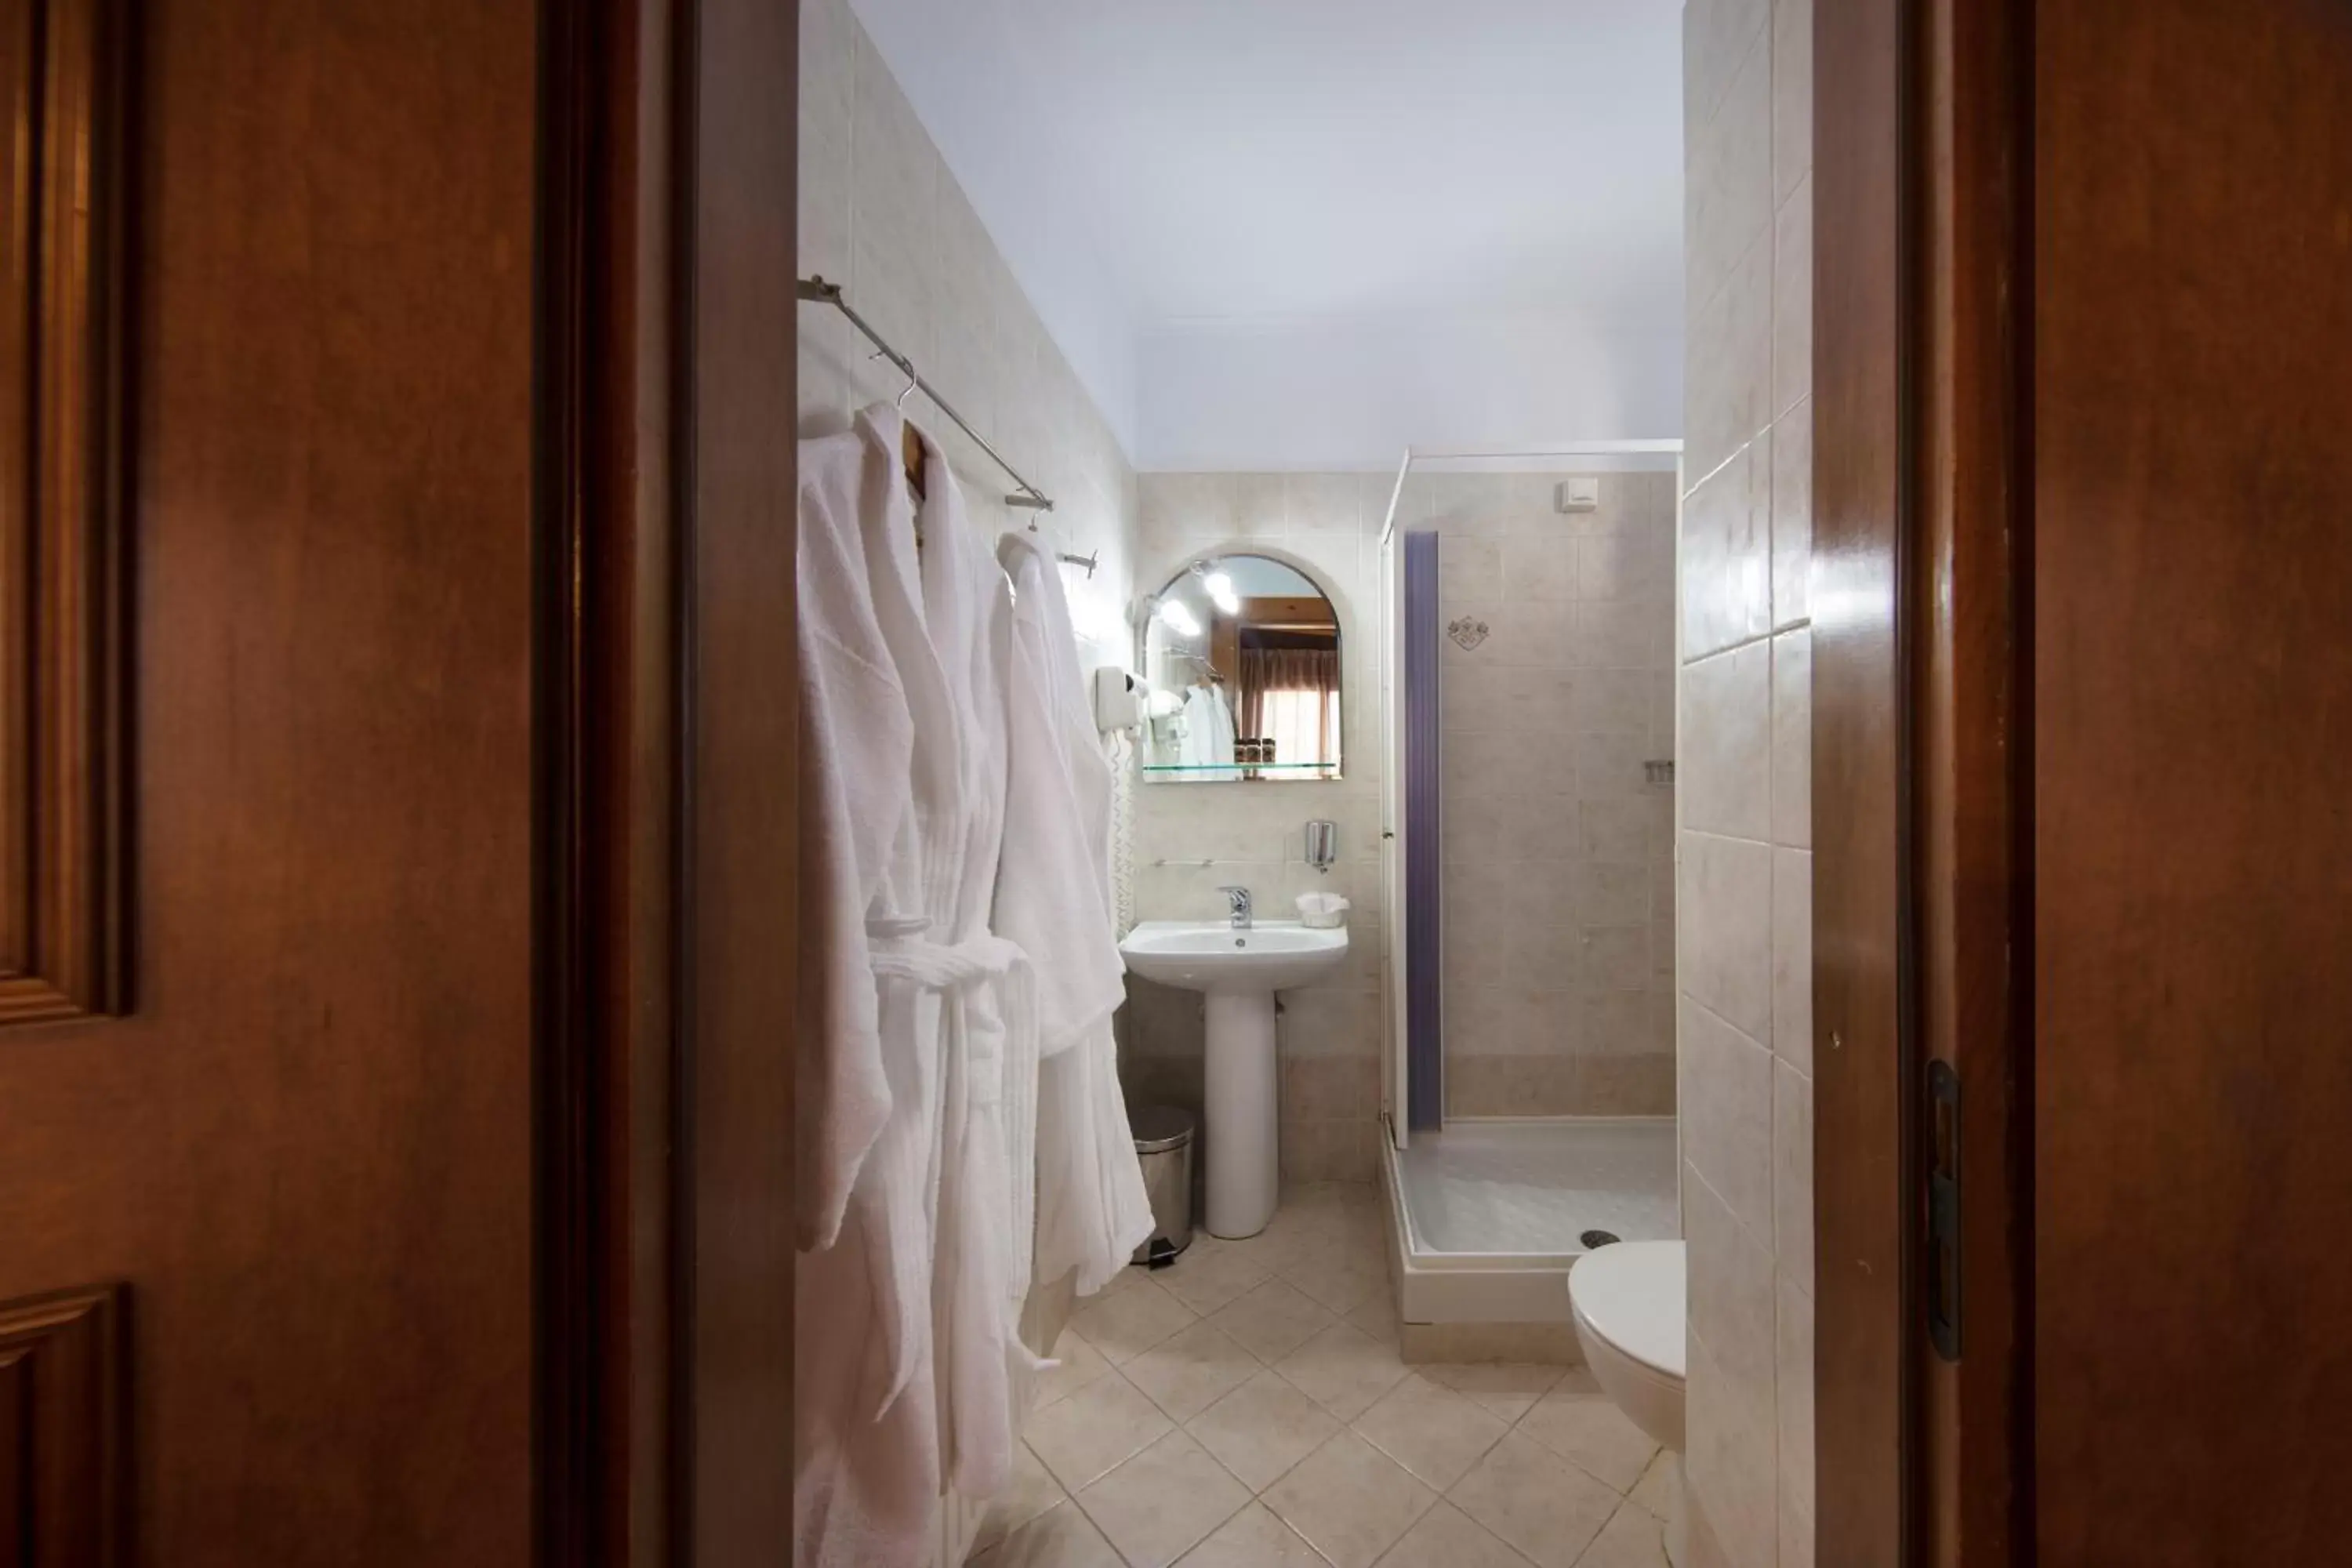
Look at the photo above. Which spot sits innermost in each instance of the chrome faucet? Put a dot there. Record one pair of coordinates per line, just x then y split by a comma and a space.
1239, 898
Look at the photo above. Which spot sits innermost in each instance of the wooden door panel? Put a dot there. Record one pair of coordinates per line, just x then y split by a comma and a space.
2193, 757
61, 1454
308, 1152
63, 65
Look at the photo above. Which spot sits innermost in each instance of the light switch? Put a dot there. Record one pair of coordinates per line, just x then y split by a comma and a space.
1579, 495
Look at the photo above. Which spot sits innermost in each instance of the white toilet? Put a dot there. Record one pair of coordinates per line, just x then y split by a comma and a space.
1628, 1301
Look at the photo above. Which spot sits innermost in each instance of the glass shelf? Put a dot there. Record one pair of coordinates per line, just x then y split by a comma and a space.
1241, 767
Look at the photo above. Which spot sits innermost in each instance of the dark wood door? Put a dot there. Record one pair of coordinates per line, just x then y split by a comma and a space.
2108, 277
266, 1024
2193, 782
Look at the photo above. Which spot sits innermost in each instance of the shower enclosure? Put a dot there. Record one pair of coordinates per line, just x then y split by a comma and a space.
1528, 707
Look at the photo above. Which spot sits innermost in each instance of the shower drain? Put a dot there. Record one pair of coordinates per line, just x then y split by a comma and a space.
1592, 1239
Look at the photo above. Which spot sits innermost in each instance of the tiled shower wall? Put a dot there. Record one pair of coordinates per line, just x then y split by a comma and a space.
1746, 898
881, 214
1192, 839
1556, 693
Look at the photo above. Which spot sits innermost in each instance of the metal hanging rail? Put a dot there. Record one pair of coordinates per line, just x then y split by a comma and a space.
816, 291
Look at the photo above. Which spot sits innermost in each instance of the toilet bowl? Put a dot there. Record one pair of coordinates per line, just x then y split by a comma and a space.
1627, 1301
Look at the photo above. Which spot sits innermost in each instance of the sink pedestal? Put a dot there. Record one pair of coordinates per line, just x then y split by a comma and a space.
1242, 1124
1238, 969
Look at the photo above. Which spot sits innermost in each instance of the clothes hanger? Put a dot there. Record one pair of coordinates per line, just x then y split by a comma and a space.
910, 440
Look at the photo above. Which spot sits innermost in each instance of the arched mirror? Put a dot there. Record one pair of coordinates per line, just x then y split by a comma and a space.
1243, 655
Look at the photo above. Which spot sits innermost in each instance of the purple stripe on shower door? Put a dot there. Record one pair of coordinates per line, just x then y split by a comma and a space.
1424, 998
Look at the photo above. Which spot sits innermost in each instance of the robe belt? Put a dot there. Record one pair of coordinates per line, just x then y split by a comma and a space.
939, 966
898, 951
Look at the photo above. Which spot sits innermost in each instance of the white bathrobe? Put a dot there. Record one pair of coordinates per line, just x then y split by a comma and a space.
989, 1155
1208, 730
904, 1325
1052, 898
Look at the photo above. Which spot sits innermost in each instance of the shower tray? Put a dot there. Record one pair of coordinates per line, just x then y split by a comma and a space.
1488, 1217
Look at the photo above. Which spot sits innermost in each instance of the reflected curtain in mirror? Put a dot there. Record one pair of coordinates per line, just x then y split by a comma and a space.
1290, 695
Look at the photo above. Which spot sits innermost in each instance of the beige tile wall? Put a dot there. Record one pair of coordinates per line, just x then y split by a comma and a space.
1558, 874
1557, 851
1250, 833
1746, 862
881, 214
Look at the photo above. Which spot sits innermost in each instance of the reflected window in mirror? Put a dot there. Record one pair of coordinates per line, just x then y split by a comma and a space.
1241, 653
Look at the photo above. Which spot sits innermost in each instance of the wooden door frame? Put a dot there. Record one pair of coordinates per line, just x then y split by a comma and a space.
1973, 755
607, 758
1861, 1079
665, 724
1922, 735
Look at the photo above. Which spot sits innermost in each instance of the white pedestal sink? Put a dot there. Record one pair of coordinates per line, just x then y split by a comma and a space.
1239, 968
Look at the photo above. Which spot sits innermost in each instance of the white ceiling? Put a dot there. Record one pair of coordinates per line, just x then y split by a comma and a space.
1407, 191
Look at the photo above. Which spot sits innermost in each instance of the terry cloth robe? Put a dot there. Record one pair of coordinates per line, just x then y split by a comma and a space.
1054, 898
1208, 730
1222, 742
886, 744
858, 1478
989, 1148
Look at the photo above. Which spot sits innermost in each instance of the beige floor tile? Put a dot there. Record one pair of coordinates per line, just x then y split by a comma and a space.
1536, 1501
1189, 1372
1584, 1426
1338, 1274
1126, 1324
1206, 1277
1548, 1344
1061, 1537
1080, 1364
1160, 1504
1632, 1539
1377, 1316
1445, 1537
1290, 1235
1271, 1254
1262, 1428
1030, 1492
1254, 1538
1343, 1370
1508, 1389
1362, 1228
1317, 1207
1659, 1488
1430, 1430
1316, 1199
1092, 1431
1349, 1500
1132, 1274
1330, 1197
1271, 1321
